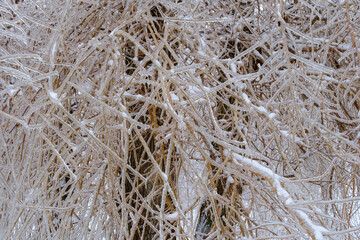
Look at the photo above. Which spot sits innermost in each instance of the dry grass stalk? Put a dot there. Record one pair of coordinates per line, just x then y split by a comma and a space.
179, 119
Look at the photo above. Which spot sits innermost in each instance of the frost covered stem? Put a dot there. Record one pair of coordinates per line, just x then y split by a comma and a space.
315, 231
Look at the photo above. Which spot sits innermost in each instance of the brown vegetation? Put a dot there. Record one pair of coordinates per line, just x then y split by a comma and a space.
179, 119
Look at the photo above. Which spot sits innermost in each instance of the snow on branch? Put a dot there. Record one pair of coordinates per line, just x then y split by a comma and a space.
276, 181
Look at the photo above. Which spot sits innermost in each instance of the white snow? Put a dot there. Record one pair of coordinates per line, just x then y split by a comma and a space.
261, 109
246, 98
193, 90
54, 95
284, 133
284, 196
272, 115
12, 92
230, 180
253, 165
174, 97
172, 217
124, 115
233, 67
317, 230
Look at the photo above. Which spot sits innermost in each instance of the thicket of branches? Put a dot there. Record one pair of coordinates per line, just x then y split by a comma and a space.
179, 119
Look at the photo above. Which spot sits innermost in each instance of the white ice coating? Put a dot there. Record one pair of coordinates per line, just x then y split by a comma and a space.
284, 196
